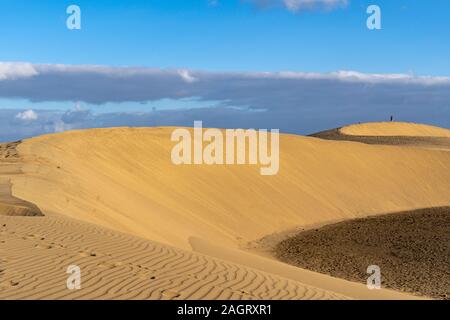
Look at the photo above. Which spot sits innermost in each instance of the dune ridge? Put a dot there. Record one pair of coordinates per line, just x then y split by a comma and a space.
382, 129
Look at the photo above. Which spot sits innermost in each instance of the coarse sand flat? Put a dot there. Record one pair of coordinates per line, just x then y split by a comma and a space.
411, 248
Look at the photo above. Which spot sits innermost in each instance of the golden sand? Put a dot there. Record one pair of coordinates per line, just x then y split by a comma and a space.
395, 129
122, 180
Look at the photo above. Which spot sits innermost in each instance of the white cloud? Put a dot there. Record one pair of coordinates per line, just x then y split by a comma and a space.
28, 115
16, 70
348, 76
186, 76
390, 78
359, 77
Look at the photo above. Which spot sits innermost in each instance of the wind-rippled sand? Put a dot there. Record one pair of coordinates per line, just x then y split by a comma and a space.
36, 252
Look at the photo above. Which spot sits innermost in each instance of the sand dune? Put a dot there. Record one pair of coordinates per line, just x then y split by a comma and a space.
395, 129
123, 179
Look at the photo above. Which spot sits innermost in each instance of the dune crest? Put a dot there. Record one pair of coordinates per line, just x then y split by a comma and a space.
399, 129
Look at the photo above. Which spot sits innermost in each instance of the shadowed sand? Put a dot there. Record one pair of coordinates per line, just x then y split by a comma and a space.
122, 179
10, 205
403, 135
412, 250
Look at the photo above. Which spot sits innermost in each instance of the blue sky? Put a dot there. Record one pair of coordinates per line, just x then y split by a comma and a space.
225, 39
230, 36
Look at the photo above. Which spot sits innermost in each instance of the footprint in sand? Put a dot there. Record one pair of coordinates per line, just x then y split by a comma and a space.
39, 246
57, 245
14, 283
87, 254
145, 275
170, 294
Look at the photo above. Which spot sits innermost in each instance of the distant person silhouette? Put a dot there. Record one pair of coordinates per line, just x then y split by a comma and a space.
392, 118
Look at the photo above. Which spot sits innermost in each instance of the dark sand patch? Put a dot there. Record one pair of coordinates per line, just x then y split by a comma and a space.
427, 142
411, 248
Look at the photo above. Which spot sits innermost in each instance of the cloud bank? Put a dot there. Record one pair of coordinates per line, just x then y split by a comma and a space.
296, 102
101, 84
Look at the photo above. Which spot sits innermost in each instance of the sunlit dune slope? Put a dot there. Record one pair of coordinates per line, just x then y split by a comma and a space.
123, 178
395, 129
